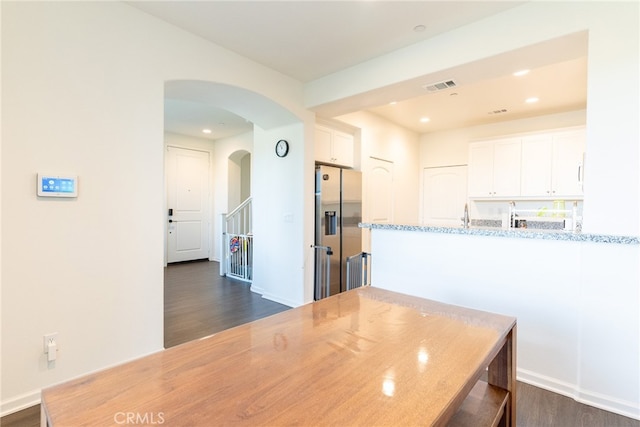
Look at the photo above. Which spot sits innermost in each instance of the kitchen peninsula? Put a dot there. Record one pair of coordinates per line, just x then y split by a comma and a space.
575, 296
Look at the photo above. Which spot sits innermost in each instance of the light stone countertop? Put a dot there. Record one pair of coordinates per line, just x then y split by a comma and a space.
519, 233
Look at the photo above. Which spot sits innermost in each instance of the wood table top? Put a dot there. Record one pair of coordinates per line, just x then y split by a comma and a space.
363, 357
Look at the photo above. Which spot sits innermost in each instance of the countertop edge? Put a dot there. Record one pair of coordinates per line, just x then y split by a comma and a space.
510, 233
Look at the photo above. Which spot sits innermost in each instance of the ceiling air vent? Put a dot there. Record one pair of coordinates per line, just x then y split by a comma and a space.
434, 87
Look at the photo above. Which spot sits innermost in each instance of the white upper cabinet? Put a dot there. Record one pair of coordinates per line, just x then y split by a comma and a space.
568, 163
547, 165
537, 152
494, 168
480, 170
552, 164
323, 143
506, 168
333, 146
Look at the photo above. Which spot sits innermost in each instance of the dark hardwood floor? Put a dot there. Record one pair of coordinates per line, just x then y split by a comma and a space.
29, 417
540, 408
198, 302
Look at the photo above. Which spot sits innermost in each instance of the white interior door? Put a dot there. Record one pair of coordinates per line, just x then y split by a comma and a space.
444, 195
380, 191
187, 204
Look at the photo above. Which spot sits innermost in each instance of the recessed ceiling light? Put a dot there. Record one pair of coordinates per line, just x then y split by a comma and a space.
531, 100
206, 130
425, 120
521, 73
393, 103
419, 28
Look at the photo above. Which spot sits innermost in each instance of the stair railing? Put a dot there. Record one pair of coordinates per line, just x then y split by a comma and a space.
237, 243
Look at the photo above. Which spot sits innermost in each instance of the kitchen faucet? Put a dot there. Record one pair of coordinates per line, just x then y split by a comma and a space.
465, 218
512, 214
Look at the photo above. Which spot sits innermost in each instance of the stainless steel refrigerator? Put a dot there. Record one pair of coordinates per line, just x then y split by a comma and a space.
338, 212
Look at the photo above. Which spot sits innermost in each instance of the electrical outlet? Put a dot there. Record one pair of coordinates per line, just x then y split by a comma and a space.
47, 338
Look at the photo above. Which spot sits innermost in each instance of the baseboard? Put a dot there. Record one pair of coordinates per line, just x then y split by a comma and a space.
608, 403
19, 403
547, 383
256, 290
260, 291
33, 398
289, 303
597, 400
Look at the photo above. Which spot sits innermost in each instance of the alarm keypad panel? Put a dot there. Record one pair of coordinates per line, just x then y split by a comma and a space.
50, 185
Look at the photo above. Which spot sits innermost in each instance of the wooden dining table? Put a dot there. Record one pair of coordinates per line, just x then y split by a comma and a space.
366, 357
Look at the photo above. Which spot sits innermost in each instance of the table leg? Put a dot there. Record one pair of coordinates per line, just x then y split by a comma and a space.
502, 373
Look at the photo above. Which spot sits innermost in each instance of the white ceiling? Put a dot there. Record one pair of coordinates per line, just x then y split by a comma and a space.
310, 39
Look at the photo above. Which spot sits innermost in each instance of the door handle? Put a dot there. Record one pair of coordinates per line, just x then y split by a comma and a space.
579, 174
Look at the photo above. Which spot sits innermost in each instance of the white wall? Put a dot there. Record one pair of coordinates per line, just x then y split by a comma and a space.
83, 92
577, 303
278, 212
245, 177
612, 87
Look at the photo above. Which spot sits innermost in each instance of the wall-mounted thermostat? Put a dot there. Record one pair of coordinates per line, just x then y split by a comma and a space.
50, 185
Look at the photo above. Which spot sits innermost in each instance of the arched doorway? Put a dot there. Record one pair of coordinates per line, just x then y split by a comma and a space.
231, 156
244, 165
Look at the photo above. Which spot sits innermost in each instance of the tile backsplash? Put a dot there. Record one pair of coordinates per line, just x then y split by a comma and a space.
538, 225
538, 214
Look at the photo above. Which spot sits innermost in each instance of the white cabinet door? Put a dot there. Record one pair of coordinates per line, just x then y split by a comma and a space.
506, 168
542, 166
552, 164
333, 147
323, 144
494, 168
567, 163
343, 148
481, 170
536, 166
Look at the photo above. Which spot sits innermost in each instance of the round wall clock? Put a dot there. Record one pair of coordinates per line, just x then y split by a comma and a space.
282, 148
